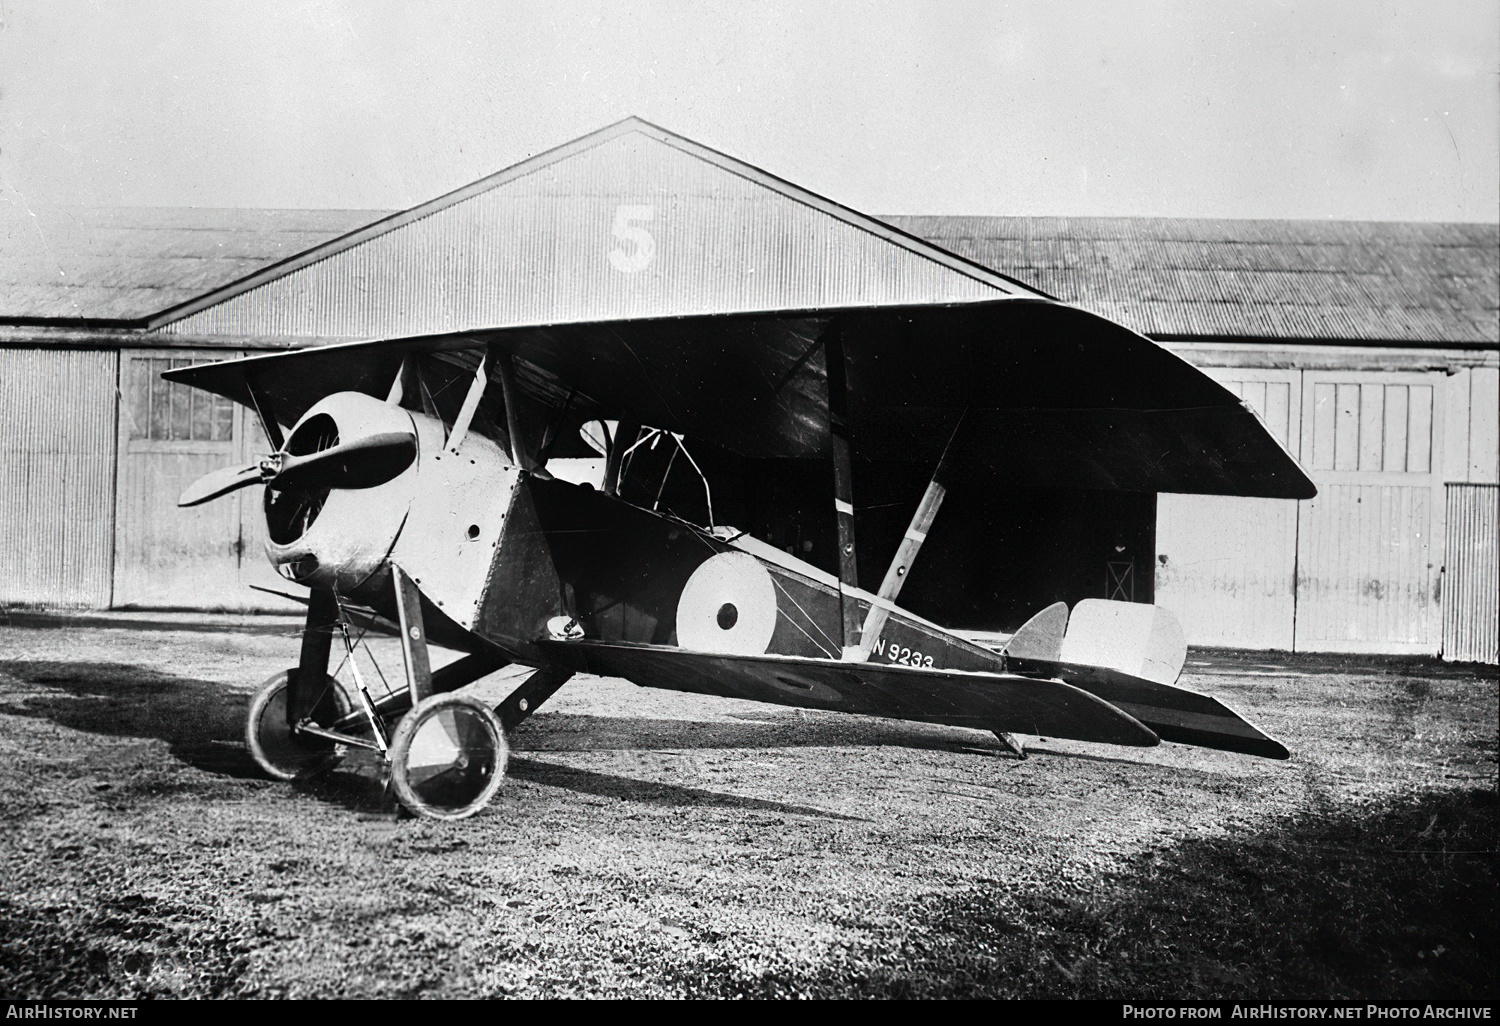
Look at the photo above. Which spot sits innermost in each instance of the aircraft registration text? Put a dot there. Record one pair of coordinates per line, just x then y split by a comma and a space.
900, 654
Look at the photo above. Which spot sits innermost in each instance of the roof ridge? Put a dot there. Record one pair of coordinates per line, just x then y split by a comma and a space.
912, 243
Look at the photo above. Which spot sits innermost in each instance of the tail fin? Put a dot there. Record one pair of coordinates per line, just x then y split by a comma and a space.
1041, 637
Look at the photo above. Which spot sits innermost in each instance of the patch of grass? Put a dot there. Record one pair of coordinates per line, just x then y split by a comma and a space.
1395, 901
129, 947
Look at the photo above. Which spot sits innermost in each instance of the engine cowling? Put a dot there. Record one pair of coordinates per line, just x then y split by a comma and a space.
333, 525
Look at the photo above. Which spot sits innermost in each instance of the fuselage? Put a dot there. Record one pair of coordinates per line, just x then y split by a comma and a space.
500, 553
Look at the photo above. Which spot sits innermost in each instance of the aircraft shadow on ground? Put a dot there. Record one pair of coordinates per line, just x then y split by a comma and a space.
578, 732
202, 723
1394, 900
194, 717
609, 785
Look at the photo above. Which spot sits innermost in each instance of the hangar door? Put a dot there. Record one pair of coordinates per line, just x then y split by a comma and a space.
1368, 565
170, 435
1227, 566
1357, 568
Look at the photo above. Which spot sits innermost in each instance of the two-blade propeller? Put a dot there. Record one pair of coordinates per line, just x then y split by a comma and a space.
358, 463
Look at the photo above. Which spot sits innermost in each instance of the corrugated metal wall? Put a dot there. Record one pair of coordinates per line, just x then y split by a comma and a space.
632, 227
1471, 593
57, 466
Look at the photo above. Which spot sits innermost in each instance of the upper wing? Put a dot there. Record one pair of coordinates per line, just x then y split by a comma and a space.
1044, 394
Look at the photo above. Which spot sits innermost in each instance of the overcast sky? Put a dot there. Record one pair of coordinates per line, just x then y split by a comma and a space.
1223, 109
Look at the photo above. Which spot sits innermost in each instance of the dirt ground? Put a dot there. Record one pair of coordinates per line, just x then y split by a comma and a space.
654, 844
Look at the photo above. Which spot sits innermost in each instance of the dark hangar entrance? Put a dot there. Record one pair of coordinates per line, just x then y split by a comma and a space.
995, 554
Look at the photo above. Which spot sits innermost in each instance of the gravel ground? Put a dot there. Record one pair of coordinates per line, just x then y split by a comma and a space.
654, 844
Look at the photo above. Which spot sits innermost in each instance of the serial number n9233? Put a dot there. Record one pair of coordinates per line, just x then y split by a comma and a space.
901, 654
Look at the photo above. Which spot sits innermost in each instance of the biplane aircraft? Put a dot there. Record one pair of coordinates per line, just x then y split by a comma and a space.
409, 491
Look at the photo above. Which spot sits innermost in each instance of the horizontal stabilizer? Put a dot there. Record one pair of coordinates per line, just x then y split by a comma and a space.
987, 701
1174, 713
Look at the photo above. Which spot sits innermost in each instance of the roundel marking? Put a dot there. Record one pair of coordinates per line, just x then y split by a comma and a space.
728, 606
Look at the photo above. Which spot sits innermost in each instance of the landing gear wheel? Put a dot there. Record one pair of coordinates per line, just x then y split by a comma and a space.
448, 757
282, 754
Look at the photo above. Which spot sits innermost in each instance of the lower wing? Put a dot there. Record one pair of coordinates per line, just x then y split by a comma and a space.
989, 701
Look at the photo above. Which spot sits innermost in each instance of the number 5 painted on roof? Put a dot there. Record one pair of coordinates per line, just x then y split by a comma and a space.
644, 246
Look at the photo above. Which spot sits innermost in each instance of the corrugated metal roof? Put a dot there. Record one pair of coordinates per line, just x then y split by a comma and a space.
1377, 281
113, 264
1394, 282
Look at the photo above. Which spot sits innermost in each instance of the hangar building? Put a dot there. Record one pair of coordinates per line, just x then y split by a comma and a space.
1370, 350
